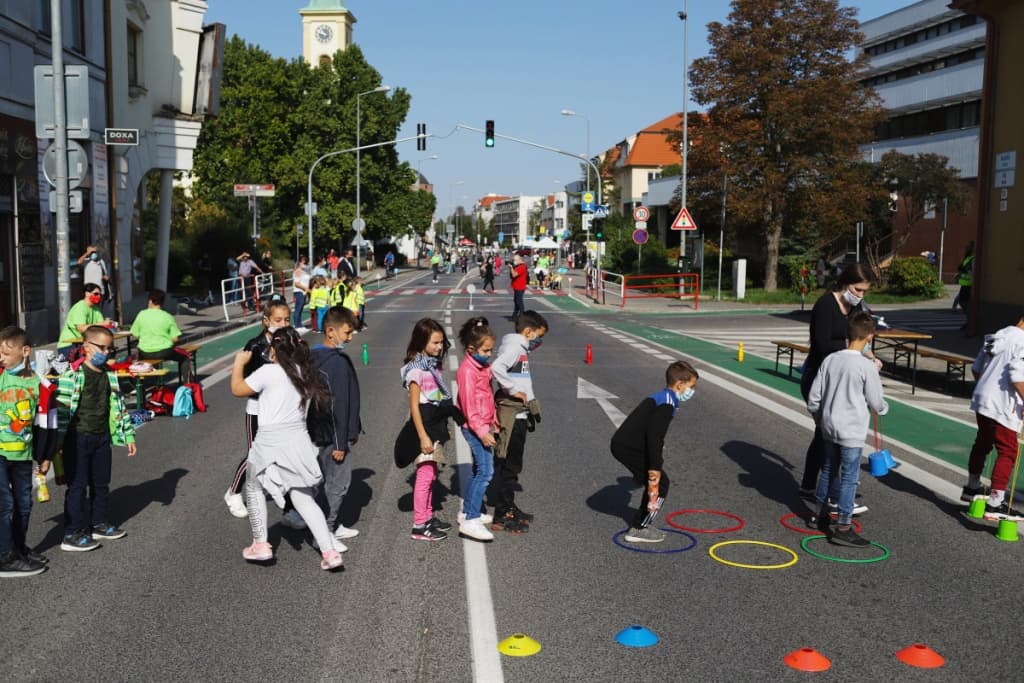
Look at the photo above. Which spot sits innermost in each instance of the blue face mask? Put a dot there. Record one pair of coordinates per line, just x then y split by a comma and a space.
686, 395
341, 346
534, 344
17, 369
99, 359
480, 358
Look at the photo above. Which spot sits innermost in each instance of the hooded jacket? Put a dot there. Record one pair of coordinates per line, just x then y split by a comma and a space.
340, 375
1000, 364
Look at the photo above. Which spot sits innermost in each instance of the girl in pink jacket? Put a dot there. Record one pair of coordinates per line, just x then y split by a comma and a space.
476, 401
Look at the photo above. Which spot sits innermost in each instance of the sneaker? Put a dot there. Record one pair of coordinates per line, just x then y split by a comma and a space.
108, 531
34, 556
485, 518
427, 533
302, 329
236, 504
13, 565
475, 529
810, 495
331, 560
521, 515
1002, 511
969, 493
344, 532
509, 523
258, 552
79, 542
644, 534
439, 524
822, 523
293, 520
848, 537
858, 509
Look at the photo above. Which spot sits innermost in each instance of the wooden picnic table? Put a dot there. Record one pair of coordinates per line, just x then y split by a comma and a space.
904, 346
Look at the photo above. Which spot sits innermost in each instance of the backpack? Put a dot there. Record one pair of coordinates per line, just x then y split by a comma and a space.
184, 406
161, 400
197, 396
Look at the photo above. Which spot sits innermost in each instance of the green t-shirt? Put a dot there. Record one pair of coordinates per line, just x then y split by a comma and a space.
19, 397
80, 314
155, 329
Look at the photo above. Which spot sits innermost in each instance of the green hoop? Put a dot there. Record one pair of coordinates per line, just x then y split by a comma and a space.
884, 556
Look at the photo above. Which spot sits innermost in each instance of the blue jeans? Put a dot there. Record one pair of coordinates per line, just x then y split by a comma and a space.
840, 488
517, 302
300, 301
86, 464
483, 470
16, 503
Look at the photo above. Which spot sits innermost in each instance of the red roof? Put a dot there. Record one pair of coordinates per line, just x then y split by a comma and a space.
652, 147
490, 199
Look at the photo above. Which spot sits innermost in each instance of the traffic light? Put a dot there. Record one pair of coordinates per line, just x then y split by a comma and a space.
598, 224
489, 134
421, 136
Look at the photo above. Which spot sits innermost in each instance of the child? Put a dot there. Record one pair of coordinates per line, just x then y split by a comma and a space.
518, 410
846, 388
318, 301
360, 303
351, 300
639, 444
339, 373
421, 375
276, 316
476, 401
998, 402
91, 416
339, 292
20, 391
283, 460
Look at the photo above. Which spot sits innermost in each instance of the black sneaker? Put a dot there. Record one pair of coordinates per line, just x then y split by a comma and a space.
79, 542
969, 493
822, 523
108, 531
521, 515
439, 524
34, 556
508, 522
1002, 511
848, 537
13, 565
427, 533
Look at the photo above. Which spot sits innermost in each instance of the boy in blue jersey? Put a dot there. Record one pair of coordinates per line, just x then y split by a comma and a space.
638, 444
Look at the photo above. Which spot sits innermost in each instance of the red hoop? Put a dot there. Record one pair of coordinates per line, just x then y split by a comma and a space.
668, 520
857, 527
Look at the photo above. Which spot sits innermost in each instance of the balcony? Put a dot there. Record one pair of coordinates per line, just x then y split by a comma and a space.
960, 146
955, 84
927, 50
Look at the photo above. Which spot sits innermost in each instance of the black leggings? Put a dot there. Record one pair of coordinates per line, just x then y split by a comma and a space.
816, 449
506, 471
238, 483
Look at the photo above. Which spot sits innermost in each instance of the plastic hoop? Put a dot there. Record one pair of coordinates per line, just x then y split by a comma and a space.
712, 549
821, 556
857, 526
668, 520
693, 543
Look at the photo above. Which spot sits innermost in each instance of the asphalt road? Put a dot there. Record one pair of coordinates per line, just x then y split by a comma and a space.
174, 600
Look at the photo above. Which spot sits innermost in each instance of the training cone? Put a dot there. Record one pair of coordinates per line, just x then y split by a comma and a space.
636, 636
890, 461
876, 461
590, 354
519, 645
807, 659
976, 508
1007, 530
921, 656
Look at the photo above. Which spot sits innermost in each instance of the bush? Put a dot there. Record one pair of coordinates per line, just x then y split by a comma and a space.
790, 269
914, 276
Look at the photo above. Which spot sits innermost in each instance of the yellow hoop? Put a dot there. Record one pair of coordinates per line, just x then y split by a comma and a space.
712, 549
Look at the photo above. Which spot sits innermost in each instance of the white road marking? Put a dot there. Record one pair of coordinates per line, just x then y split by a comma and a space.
587, 390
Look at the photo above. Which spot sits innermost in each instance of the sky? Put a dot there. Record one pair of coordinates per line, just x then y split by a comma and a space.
619, 64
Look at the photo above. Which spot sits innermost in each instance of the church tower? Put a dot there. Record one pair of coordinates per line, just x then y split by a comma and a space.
326, 28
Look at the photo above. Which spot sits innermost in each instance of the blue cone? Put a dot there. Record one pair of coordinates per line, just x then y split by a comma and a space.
636, 636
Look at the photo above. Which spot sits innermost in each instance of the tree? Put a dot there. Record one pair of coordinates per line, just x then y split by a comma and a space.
786, 105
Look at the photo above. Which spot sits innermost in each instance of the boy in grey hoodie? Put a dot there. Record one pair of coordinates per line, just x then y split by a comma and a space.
846, 389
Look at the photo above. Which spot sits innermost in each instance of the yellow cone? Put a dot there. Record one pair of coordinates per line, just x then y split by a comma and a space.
519, 645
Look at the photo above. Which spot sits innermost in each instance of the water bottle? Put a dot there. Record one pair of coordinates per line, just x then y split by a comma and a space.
42, 492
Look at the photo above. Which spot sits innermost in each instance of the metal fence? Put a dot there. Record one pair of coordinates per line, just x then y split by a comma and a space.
240, 295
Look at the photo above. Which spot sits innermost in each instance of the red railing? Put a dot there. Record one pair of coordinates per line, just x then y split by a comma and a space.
669, 286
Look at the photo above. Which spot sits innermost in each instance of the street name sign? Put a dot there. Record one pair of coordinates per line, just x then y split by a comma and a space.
254, 190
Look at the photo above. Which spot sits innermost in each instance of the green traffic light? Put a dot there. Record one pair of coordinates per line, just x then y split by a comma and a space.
489, 142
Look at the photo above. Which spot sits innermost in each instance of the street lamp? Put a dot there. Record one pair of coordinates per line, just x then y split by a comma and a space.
418, 163
358, 223
570, 112
685, 144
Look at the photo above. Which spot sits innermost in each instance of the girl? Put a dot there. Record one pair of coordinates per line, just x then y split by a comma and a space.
476, 401
283, 460
428, 418
275, 317
319, 296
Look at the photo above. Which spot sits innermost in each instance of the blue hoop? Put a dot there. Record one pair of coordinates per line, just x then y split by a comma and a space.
693, 543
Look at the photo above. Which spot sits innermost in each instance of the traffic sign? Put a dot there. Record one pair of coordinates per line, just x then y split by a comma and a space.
78, 164
641, 214
640, 225
310, 208
684, 221
74, 201
587, 202
601, 211
121, 136
254, 190
640, 236
501, 237
358, 224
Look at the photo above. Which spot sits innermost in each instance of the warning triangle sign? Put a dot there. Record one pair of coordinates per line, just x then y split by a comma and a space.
684, 221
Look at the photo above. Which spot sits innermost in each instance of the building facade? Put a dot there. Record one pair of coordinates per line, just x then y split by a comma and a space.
512, 217
326, 28
554, 217
638, 160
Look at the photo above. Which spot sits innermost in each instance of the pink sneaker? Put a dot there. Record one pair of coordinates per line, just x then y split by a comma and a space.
258, 552
332, 560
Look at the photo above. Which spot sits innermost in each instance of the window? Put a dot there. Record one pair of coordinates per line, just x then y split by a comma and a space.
134, 57
953, 117
76, 26
43, 20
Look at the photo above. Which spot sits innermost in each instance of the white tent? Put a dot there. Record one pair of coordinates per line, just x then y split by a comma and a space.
545, 243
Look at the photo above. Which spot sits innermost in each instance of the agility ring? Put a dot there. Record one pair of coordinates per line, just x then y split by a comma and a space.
790, 563
884, 556
724, 530
857, 527
616, 539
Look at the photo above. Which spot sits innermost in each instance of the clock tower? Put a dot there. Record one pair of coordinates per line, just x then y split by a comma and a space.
326, 28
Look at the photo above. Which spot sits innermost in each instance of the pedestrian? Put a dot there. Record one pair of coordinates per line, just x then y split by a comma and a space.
234, 288
435, 265
476, 401
21, 443
998, 404
338, 374
345, 267
158, 332
360, 303
81, 316
639, 444
540, 269
518, 413
820, 271
518, 273
333, 261
389, 264
319, 296
275, 317
463, 263
91, 417
247, 269
497, 263
267, 261
488, 271
965, 278
422, 439
283, 460
300, 290
842, 395
95, 272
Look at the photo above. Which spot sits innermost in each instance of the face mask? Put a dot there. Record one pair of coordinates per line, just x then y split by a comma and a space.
852, 298
271, 330
686, 395
95, 298
99, 359
94, 256
18, 368
535, 344
481, 359
341, 346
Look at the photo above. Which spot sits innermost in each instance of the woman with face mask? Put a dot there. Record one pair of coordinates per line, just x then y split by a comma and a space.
83, 314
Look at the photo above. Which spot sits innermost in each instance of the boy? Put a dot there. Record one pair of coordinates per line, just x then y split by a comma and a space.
339, 374
19, 398
91, 416
639, 444
518, 411
846, 388
998, 402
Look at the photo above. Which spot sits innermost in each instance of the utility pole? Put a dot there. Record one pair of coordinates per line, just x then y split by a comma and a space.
61, 147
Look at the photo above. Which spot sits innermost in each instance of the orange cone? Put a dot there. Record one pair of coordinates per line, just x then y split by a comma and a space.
921, 656
807, 659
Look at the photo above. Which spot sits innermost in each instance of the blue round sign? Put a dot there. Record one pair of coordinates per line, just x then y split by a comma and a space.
640, 236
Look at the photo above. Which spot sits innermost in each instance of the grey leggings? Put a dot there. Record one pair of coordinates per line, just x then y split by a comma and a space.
302, 500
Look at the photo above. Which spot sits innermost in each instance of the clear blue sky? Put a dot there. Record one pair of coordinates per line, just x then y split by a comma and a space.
519, 63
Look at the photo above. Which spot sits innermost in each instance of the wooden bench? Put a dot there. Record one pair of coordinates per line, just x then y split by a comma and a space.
785, 348
956, 365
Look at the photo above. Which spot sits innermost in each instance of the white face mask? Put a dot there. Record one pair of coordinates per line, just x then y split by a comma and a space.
852, 298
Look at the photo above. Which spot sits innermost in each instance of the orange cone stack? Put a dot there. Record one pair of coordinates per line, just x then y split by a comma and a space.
921, 656
807, 659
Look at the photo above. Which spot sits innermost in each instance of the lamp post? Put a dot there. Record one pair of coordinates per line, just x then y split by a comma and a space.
420, 163
359, 123
685, 144
570, 112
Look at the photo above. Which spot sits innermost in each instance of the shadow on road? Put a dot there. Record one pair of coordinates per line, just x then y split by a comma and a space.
768, 473
897, 482
615, 500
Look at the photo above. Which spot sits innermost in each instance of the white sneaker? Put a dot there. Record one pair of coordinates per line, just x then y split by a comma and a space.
485, 517
293, 519
236, 504
475, 529
340, 547
302, 329
344, 532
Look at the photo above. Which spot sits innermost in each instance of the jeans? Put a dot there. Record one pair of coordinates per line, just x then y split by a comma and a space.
840, 488
483, 470
517, 302
15, 503
300, 302
86, 464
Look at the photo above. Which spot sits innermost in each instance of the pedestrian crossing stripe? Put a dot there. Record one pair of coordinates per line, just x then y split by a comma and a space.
414, 291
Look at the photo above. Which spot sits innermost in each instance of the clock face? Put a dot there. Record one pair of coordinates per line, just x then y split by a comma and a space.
323, 33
